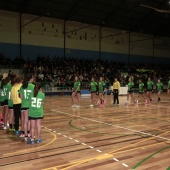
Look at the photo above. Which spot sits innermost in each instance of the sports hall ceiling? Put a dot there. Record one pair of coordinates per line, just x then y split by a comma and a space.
151, 18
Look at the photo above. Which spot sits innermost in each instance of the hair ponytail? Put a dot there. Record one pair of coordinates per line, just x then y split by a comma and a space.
36, 89
26, 80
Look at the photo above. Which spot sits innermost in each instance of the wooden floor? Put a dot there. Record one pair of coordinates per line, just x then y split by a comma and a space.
112, 138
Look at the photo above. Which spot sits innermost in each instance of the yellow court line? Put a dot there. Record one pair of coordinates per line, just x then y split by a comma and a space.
136, 143
28, 150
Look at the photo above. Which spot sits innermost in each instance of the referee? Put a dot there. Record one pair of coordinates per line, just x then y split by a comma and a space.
116, 89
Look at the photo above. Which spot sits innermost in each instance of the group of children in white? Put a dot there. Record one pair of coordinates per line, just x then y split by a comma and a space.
98, 88
23, 101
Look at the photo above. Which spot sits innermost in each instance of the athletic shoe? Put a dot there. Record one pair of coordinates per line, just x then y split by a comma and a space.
73, 106
159, 99
78, 106
30, 141
21, 135
4, 127
29, 135
150, 100
16, 132
26, 138
39, 140
91, 105
98, 102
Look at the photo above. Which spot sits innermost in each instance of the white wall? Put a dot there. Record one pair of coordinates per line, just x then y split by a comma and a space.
49, 32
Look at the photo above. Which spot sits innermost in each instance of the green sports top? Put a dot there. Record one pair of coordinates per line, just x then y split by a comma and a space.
93, 85
6, 90
169, 84
2, 95
141, 87
130, 85
10, 104
76, 85
25, 95
149, 85
101, 85
159, 86
36, 106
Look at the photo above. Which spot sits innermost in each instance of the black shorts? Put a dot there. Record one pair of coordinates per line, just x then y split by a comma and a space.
93, 91
141, 92
130, 91
149, 90
24, 108
5, 103
34, 118
76, 92
11, 108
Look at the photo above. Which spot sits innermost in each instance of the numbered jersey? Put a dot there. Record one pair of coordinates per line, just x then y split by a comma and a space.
25, 93
5, 91
36, 107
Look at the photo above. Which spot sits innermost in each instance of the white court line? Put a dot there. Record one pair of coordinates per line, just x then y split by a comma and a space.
98, 150
83, 144
115, 159
70, 138
77, 141
65, 136
125, 165
121, 127
91, 147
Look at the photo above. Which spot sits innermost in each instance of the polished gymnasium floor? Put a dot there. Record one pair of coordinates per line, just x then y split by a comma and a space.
134, 137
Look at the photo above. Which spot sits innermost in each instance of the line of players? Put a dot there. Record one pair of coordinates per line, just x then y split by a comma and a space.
148, 88
20, 99
98, 88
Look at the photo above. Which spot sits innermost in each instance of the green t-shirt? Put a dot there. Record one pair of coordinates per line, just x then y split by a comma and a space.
36, 107
76, 85
6, 90
101, 86
10, 104
93, 85
25, 95
159, 86
130, 85
149, 85
2, 95
169, 84
141, 87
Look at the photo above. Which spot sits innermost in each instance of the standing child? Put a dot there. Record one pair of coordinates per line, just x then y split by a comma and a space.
25, 90
168, 90
76, 93
159, 88
116, 90
2, 100
141, 90
16, 100
101, 85
93, 89
149, 88
36, 112
130, 92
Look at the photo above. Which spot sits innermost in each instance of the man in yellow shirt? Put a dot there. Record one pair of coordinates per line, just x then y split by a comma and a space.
116, 89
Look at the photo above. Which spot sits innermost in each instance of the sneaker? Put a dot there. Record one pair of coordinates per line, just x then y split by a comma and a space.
73, 106
16, 132
159, 99
31, 141
78, 106
98, 102
5, 128
91, 105
39, 140
29, 135
21, 135
26, 138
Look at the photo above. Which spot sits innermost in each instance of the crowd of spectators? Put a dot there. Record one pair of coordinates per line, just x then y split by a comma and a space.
60, 71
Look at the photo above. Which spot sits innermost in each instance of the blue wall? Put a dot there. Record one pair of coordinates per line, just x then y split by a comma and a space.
30, 51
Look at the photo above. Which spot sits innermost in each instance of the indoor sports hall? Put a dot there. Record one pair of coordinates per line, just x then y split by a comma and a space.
102, 69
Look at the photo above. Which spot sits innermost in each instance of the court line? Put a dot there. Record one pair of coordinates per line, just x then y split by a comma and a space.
120, 127
28, 150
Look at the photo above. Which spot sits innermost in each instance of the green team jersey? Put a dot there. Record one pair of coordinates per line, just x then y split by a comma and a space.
149, 85
159, 86
10, 104
2, 95
6, 90
101, 86
93, 85
25, 95
141, 87
76, 85
36, 107
130, 85
169, 84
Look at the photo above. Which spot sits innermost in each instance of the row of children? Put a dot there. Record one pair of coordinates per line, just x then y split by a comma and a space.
22, 100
